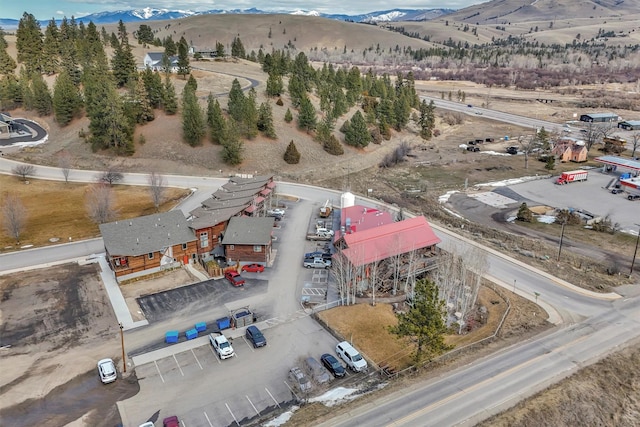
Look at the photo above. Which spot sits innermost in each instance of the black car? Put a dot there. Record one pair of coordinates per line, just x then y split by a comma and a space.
317, 254
254, 335
332, 364
472, 148
617, 191
512, 150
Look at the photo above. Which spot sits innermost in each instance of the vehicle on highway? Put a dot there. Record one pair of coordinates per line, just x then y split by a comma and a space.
221, 346
107, 371
300, 379
318, 254
171, 421
333, 365
316, 263
351, 357
254, 335
479, 112
234, 278
469, 105
317, 371
253, 268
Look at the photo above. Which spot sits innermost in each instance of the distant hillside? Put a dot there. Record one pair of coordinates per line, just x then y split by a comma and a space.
503, 12
150, 14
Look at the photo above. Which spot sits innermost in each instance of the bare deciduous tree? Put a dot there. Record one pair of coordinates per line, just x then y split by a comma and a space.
99, 204
528, 145
24, 171
64, 163
14, 216
157, 189
345, 275
110, 176
635, 142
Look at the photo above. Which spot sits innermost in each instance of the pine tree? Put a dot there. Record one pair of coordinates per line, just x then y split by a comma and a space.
358, 134
292, 155
235, 104
232, 147
142, 112
42, 102
427, 119
424, 323
307, 116
170, 98
250, 115
237, 48
275, 86
288, 117
333, 146
69, 57
10, 91
51, 48
265, 120
524, 213
67, 101
193, 122
170, 47
192, 83
7, 64
215, 120
153, 86
184, 68
145, 35
29, 43
123, 63
220, 53
297, 91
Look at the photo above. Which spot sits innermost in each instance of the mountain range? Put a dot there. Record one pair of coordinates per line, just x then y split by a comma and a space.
150, 14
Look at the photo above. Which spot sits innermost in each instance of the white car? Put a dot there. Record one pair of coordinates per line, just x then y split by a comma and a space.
351, 357
276, 211
222, 346
107, 371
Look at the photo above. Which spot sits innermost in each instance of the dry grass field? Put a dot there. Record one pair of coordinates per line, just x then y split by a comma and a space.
57, 210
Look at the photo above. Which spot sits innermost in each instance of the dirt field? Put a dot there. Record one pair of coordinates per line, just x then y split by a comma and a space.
55, 324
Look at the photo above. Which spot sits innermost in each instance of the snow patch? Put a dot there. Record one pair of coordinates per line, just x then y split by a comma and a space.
546, 219
445, 197
282, 418
335, 396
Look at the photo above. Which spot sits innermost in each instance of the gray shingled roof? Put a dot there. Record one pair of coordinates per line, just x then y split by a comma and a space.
227, 195
215, 203
244, 230
203, 217
263, 179
255, 186
146, 234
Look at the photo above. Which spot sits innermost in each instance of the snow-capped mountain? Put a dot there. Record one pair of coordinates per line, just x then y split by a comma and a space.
151, 14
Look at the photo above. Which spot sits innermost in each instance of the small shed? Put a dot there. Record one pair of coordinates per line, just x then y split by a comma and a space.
629, 125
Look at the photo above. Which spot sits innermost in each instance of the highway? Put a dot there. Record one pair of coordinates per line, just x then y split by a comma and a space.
591, 325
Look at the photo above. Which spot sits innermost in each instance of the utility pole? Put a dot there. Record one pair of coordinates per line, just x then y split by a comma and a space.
124, 360
635, 252
561, 237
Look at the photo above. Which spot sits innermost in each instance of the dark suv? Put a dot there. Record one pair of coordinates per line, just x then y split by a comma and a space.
254, 335
332, 364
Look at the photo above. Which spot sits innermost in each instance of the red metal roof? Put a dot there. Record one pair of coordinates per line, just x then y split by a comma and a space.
361, 218
265, 192
387, 240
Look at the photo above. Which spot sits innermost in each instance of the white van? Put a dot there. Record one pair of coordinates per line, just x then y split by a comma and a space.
324, 232
351, 357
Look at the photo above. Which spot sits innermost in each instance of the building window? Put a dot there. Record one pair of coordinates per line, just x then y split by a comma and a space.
150, 255
184, 246
232, 247
257, 248
204, 240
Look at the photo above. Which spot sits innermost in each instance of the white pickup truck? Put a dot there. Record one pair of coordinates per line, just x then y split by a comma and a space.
316, 263
222, 346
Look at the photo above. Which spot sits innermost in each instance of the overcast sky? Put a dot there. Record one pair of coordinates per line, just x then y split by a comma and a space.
47, 9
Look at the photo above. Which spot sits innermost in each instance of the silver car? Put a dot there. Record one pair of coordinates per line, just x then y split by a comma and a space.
318, 372
107, 371
300, 379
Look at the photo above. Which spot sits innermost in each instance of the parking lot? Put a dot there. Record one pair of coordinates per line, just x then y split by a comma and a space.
216, 392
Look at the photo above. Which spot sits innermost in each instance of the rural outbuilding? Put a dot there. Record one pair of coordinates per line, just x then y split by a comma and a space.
629, 125
599, 118
248, 239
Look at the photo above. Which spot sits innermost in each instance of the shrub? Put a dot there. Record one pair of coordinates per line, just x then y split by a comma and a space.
333, 146
280, 103
292, 155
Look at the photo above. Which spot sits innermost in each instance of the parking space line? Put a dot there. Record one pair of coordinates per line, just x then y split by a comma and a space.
207, 417
269, 393
250, 345
158, 369
174, 358
252, 405
214, 354
196, 357
234, 417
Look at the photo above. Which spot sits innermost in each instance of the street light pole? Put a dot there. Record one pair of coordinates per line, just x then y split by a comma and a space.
633, 261
124, 360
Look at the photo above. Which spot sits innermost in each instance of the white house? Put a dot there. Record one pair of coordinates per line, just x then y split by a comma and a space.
153, 60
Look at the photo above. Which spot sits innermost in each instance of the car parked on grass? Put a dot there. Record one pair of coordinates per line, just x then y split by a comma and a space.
513, 150
473, 148
351, 356
107, 371
253, 268
221, 346
254, 335
332, 364
234, 278
300, 379
317, 371
171, 421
